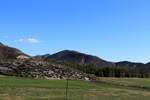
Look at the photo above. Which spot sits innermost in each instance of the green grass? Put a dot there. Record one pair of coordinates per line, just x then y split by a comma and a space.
130, 81
15, 88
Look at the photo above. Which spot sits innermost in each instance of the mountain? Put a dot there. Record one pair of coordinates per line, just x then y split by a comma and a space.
35, 68
129, 65
83, 59
79, 58
42, 56
61, 54
9, 52
75, 57
133, 66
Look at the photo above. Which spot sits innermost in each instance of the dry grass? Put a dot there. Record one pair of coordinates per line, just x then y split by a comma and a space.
25, 93
1, 75
129, 81
38, 89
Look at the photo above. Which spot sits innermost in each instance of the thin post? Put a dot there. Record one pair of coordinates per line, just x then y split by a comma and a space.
67, 83
67, 88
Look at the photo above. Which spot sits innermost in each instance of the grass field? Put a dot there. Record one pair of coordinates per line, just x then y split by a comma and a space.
15, 88
130, 81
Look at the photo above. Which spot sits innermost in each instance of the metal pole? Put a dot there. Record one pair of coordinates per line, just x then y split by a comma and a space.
67, 84
67, 88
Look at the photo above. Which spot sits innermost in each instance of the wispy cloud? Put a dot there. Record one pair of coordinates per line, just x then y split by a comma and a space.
5, 37
19, 40
30, 40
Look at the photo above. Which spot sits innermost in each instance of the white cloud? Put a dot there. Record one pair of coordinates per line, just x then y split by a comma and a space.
30, 40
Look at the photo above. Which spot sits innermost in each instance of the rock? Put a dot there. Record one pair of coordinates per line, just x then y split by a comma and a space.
33, 68
22, 57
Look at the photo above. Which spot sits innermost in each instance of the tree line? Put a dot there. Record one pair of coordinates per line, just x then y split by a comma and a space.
106, 71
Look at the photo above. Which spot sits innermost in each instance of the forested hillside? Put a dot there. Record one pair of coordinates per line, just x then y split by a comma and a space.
106, 71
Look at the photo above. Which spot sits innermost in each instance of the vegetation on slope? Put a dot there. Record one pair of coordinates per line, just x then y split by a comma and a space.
33, 68
105, 71
9, 52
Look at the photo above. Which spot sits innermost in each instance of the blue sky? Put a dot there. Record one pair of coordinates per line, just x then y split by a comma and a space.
114, 30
